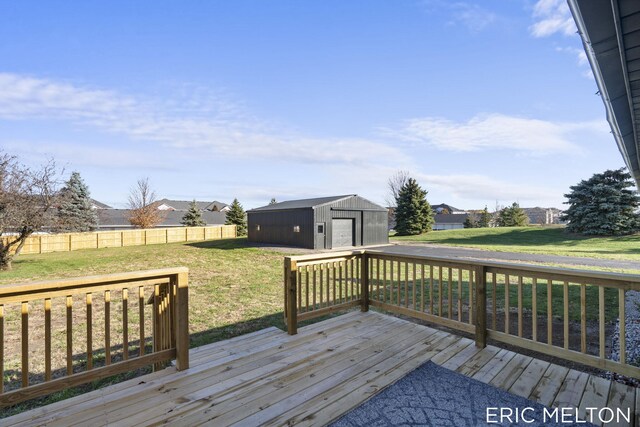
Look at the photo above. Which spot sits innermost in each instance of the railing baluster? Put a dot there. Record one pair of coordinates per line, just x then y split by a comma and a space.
601, 320
440, 291
47, 339
340, 283
494, 300
534, 309
565, 296
321, 285
406, 284
107, 327
89, 304
422, 288
507, 304
471, 296
25, 344
299, 290
583, 317
328, 302
125, 324
314, 286
141, 316
306, 273
459, 295
399, 300
430, 289
384, 275
449, 294
623, 325
520, 306
378, 278
333, 301
549, 312
69, 335
413, 286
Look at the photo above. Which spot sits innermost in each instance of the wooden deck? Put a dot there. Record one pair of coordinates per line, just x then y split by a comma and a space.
271, 378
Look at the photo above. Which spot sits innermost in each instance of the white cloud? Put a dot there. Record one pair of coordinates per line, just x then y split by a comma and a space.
494, 131
552, 16
472, 16
201, 126
483, 188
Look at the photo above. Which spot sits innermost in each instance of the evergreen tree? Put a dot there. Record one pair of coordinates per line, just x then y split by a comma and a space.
413, 213
512, 216
485, 218
606, 204
273, 201
75, 211
236, 216
193, 217
471, 221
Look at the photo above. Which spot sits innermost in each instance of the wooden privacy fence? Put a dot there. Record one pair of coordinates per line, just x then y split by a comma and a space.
565, 313
59, 334
64, 242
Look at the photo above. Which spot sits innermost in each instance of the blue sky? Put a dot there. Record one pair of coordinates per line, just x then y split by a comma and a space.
482, 102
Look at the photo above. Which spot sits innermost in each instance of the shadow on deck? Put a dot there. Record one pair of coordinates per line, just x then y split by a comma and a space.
271, 378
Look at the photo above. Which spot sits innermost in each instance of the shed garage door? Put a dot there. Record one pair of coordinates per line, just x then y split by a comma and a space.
342, 233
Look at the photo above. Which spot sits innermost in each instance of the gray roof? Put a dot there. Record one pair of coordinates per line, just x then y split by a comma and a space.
610, 32
450, 218
120, 218
184, 205
449, 207
302, 203
99, 205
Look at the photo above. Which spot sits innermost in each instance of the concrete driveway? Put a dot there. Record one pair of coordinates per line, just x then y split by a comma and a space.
455, 252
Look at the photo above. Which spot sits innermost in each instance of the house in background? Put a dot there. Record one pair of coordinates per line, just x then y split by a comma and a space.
449, 221
212, 213
543, 216
183, 205
320, 223
443, 208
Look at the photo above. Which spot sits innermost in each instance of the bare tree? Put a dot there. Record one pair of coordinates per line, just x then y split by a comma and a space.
27, 198
144, 212
395, 183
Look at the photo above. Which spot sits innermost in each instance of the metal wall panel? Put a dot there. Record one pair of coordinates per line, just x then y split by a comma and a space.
277, 227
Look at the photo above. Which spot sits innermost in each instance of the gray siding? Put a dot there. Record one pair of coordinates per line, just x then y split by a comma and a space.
375, 228
277, 227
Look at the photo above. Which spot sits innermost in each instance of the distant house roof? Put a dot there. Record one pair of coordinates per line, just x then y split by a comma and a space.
450, 208
302, 203
120, 218
184, 205
450, 218
99, 205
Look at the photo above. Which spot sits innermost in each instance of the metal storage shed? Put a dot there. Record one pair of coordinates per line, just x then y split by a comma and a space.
321, 223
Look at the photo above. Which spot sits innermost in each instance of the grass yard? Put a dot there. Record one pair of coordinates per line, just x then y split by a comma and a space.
536, 240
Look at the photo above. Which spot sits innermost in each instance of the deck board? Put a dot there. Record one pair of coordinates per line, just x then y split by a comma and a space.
270, 378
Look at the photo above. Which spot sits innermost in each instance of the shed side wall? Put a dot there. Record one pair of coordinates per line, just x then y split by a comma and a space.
277, 227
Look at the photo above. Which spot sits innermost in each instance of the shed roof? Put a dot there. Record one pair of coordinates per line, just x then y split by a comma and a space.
302, 203
610, 32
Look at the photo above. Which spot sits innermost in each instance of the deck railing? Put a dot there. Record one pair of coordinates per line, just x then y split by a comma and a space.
577, 315
63, 333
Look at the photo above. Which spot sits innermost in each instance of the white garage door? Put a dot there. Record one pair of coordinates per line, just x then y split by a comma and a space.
342, 233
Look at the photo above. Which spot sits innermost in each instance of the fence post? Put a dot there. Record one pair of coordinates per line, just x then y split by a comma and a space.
182, 320
481, 306
364, 282
291, 289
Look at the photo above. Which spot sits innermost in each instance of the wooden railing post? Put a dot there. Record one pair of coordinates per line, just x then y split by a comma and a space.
291, 286
364, 282
481, 306
181, 283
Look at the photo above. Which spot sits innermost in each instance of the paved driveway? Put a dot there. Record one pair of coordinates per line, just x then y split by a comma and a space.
455, 252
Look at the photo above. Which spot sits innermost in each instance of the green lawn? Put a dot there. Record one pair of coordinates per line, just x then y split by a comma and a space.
536, 240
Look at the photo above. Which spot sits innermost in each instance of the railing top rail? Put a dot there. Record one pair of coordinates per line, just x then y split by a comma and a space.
523, 269
26, 289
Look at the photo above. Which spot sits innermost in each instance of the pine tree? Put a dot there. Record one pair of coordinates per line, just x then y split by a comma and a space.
193, 218
236, 216
513, 216
273, 201
603, 205
485, 218
471, 221
413, 213
75, 211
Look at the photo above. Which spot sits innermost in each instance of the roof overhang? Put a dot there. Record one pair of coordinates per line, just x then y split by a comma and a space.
610, 31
